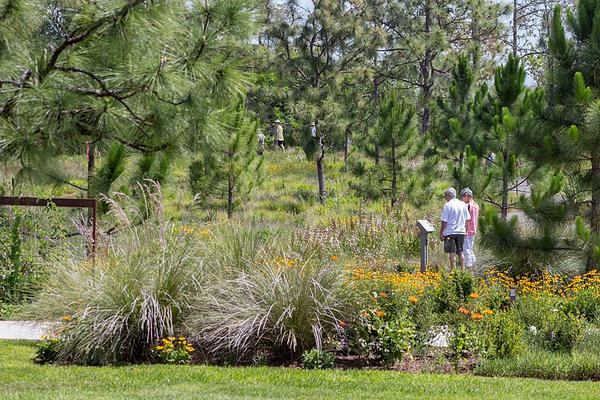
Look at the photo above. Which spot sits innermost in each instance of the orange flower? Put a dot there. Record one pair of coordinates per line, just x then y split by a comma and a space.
464, 311
342, 324
379, 313
67, 318
413, 299
477, 317
384, 295
487, 311
474, 295
334, 258
364, 314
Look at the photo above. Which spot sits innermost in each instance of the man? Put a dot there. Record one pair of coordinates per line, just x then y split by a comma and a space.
278, 133
454, 227
261, 143
467, 198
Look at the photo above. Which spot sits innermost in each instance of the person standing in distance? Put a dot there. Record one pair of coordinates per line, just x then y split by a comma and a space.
261, 143
455, 215
278, 133
473, 207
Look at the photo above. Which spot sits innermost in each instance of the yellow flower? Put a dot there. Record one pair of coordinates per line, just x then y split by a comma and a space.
67, 318
487, 311
159, 347
379, 313
474, 295
181, 338
190, 349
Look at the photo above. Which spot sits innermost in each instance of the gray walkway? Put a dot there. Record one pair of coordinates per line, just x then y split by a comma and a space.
24, 330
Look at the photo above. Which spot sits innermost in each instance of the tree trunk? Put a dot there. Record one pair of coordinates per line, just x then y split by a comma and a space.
505, 178
321, 172
426, 72
515, 28
595, 211
91, 161
230, 198
346, 148
475, 38
376, 102
394, 176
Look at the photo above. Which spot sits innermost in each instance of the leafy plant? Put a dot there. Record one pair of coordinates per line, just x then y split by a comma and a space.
384, 336
172, 350
317, 359
462, 342
453, 291
47, 350
502, 335
561, 332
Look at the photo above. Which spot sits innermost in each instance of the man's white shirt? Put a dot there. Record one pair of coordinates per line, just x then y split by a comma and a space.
455, 214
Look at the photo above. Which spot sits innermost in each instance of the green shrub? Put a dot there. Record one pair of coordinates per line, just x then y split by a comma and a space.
453, 291
533, 310
561, 332
462, 342
502, 335
282, 305
585, 303
134, 294
317, 359
47, 350
383, 337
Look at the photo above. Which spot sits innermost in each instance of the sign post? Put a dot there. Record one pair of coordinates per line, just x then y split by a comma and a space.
426, 228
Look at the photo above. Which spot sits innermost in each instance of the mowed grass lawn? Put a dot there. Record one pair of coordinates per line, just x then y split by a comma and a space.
21, 379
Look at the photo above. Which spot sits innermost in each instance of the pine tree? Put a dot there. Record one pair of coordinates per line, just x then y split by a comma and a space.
141, 74
395, 137
572, 137
229, 166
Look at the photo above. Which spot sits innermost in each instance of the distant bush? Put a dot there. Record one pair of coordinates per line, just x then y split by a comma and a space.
306, 194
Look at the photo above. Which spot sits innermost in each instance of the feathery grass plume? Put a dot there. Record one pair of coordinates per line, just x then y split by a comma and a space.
283, 306
136, 293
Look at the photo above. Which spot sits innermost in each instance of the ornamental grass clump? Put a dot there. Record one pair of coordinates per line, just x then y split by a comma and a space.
129, 297
283, 308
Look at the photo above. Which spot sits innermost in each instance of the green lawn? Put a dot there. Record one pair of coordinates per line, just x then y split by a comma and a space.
21, 379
